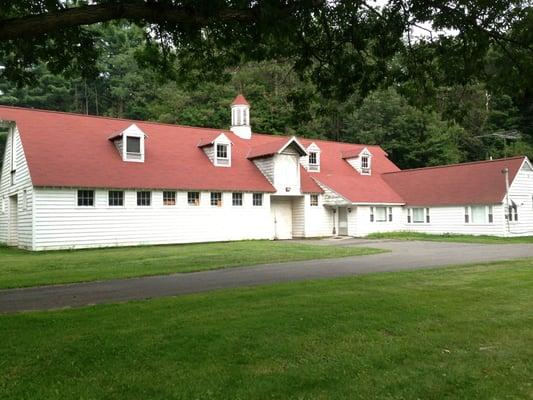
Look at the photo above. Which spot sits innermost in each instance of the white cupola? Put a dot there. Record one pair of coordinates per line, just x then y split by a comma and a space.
240, 117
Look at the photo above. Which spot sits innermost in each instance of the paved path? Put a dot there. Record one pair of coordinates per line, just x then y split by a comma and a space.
403, 256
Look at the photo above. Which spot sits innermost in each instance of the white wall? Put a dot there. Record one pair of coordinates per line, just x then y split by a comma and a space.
521, 192
318, 219
452, 220
22, 185
60, 223
359, 223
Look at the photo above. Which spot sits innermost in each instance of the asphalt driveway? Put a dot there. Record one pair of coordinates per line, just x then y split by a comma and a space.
403, 255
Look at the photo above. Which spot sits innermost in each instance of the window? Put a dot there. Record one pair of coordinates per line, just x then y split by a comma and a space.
312, 158
85, 198
513, 212
169, 198
390, 214
222, 154
216, 199
144, 199
193, 198
467, 215
381, 214
258, 199
479, 214
427, 216
222, 150
409, 217
491, 215
236, 199
371, 214
115, 198
133, 144
418, 215
364, 162
314, 200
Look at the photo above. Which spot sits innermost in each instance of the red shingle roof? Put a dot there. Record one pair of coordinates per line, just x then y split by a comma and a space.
239, 101
70, 150
479, 182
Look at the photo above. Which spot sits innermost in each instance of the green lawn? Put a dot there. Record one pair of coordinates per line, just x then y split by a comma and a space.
456, 333
448, 237
20, 268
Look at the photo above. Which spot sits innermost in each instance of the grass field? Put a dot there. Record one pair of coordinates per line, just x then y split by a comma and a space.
455, 333
402, 235
20, 268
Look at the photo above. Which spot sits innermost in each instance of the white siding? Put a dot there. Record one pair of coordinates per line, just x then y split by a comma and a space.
287, 174
318, 219
266, 166
521, 192
359, 223
298, 216
452, 220
22, 188
60, 223
210, 152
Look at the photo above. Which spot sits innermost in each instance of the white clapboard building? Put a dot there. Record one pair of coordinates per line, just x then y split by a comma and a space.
76, 181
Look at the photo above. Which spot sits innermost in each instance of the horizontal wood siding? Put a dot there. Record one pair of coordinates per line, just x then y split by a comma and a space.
60, 223
298, 216
359, 223
266, 166
22, 188
319, 219
452, 220
521, 192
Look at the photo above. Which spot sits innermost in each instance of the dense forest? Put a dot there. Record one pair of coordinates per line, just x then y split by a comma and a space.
419, 121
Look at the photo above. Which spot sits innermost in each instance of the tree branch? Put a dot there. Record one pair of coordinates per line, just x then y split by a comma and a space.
36, 25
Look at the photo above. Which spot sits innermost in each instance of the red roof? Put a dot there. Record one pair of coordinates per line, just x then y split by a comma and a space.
479, 182
70, 150
273, 147
239, 101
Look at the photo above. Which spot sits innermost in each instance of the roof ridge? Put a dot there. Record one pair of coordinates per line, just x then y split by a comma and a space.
111, 118
456, 165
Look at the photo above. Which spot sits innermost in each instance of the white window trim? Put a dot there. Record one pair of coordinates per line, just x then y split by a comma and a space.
199, 199
151, 199
215, 155
411, 215
468, 211
76, 198
313, 148
175, 198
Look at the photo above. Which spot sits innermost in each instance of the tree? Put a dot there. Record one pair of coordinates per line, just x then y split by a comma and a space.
413, 138
342, 46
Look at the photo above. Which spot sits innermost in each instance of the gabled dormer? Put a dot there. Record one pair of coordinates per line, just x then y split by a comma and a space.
130, 143
279, 161
360, 160
313, 158
218, 150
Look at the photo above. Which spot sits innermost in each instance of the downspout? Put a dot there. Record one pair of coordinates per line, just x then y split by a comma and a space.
505, 172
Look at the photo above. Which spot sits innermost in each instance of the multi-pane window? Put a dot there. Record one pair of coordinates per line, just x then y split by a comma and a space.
144, 198
236, 199
193, 198
418, 215
512, 212
257, 199
314, 200
115, 198
364, 162
312, 158
133, 144
216, 199
222, 150
85, 198
169, 198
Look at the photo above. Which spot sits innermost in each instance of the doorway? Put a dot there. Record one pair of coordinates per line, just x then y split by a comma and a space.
12, 234
281, 210
343, 221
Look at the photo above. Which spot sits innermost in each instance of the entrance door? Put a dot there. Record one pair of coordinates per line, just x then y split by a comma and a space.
281, 210
343, 221
12, 236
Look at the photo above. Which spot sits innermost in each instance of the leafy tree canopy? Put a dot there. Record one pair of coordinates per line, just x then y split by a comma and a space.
342, 45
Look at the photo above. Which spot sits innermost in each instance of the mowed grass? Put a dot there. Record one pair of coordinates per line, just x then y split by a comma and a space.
448, 237
455, 333
19, 268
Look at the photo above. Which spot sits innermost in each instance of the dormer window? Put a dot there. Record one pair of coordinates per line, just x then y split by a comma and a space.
313, 158
130, 143
218, 150
365, 165
133, 145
